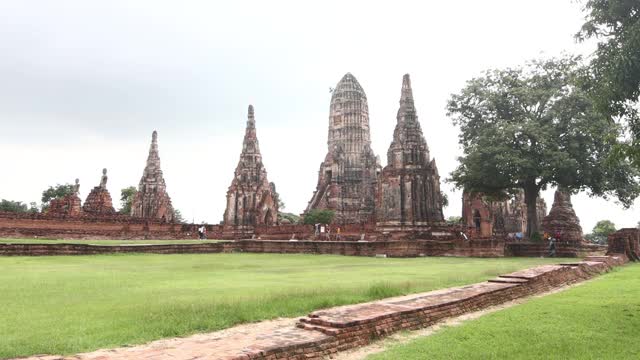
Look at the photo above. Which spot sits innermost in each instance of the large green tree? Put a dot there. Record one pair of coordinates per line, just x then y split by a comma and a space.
13, 206
126, 199
56, 192
319, 216
613, 77
532, 127
177, 216
601, 232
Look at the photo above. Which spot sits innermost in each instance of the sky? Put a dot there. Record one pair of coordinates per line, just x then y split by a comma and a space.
84, 84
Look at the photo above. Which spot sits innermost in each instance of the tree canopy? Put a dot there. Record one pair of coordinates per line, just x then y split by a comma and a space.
177, 216
532, 127
318, 216
56, 192
613, 77
126, 199
601, 232
17, 206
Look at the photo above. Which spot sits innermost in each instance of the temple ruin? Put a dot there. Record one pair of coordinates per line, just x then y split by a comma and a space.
562, 221
251, 199
70, 205
409, 187
347, 179
151, 200
99, 200
490, 216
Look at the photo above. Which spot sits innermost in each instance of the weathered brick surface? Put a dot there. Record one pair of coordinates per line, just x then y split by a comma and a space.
152, 201
251, 199
563, 249
409, 186
351, 248
562, 221
347, 178
89, 227
625, 242
85, 249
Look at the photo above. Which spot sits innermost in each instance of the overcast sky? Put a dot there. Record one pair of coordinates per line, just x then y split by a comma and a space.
84, 83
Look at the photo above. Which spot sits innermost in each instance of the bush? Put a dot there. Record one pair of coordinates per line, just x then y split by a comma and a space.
536, 237
318, 216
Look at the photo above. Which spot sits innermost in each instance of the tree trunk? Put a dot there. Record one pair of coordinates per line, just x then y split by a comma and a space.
531, 200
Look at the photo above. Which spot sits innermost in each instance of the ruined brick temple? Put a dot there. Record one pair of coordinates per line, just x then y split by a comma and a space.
347, 179
562, 220
351, 181
498, 217
251, 199
99, 200
70, 205
151, 200
409, 187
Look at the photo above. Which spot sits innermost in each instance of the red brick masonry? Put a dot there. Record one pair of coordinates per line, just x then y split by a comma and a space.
325, 332
407, 248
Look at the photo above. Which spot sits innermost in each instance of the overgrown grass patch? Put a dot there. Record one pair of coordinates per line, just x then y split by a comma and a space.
70, 304
596, 320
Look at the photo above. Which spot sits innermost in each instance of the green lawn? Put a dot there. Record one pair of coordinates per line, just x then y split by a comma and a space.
597, 320
103, 242
70, 304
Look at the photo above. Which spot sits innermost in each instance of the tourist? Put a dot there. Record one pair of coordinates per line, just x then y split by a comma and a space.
200, 232
552, 247
316, 230
322, 231
204, 232
338, 234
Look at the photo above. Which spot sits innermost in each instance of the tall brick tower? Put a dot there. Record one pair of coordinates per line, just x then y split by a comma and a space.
347, 179
151, 200
409, 192
251, 199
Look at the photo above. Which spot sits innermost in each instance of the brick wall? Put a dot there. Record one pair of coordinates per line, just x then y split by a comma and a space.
357, 325
351, 248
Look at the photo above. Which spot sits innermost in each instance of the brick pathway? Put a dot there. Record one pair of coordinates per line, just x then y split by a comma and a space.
328, 331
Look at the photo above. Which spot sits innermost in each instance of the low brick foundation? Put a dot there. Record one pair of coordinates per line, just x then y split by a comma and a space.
415, 248
352, 326
122, 227
530, 249
119, 227
627, 242
85, 249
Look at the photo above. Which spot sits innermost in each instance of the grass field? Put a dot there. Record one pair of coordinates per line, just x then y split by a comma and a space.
103, 242
597, 320
63, 305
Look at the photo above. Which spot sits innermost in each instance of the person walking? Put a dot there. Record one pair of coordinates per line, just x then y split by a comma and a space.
552, 247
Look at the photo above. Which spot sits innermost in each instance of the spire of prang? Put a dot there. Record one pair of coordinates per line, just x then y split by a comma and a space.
151, 199
250, 198
250, 144
407, 110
